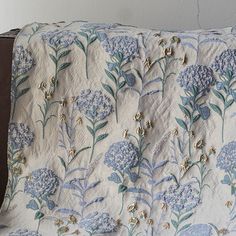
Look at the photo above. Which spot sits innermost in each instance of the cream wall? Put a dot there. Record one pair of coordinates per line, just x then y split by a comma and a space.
168, 14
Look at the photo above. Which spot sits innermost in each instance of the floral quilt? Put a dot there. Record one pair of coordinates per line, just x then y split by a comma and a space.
117, 130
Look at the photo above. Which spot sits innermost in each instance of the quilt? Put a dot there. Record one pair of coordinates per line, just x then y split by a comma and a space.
117, 130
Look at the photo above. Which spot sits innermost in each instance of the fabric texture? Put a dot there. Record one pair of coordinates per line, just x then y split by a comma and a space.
118, 130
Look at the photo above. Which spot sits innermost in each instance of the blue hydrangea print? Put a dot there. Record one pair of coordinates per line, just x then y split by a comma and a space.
197, 77
98, 223
122, 50
196, 81
96, 107
122, 157
225, 63
59, 38
197, 230
182, 199
41, 185
125, 47
19, 136
226, 161
24, 232
225, 92
22, 63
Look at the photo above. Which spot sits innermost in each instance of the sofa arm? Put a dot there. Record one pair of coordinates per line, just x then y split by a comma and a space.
6, 45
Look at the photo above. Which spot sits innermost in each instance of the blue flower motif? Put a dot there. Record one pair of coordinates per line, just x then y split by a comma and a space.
98, 223
19, 136
22, 61
182, 198
59, 38
204, 111
198, 229
225, 63
122, 156
196, 76
41, 184
125, 47
32, 204
24, 232
226, 159
94, 104
130, 79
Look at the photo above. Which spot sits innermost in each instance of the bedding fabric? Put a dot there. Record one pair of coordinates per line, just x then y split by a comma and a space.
118, 130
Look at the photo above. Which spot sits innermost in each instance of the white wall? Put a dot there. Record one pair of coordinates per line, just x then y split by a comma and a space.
160, 14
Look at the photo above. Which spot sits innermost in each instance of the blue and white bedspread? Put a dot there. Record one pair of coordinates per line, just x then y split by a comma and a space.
118, 130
